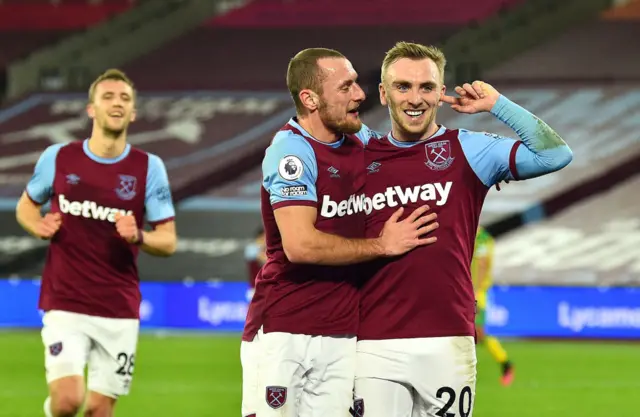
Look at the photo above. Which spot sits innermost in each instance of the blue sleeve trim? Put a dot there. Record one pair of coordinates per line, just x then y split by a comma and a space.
158, 199
289, 169
366, 134
40, 186
488, 155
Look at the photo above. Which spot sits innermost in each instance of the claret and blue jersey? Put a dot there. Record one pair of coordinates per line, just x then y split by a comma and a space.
309, 299
42, 187
428, 292
90, 269
452, 172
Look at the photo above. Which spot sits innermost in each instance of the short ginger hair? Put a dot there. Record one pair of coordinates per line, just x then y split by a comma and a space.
304, 73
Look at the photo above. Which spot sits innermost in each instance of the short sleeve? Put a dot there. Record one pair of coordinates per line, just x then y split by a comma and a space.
492, 157
40, 186
158, 200
289, 171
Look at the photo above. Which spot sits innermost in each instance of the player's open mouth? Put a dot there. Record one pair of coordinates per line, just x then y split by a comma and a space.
116, 114
414, 114
353, 111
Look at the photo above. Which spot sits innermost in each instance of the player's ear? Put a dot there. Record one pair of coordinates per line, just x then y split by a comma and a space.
309, 99
91, 112
383, 94
443, 92
134, 113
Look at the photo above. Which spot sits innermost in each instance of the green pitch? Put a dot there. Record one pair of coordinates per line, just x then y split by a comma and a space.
199, 376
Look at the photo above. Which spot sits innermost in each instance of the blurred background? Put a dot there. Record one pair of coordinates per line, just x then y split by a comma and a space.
211, 78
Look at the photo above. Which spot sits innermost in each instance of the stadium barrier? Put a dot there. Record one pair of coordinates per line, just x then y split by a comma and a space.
564, 312
516, 311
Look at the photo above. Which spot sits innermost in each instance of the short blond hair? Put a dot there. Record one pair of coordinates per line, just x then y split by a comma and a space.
304, 73
110, 74
414, 51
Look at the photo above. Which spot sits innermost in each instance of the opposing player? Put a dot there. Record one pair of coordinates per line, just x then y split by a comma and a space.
481, 274
100, 191
306, 299
416, 349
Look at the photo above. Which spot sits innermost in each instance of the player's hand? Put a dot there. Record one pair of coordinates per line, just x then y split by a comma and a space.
473, 98
127, 228
398, 237
48, 225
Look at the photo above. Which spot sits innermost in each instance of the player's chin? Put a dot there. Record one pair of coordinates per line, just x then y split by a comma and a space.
116, 127
414, 128
114, 131
352, 124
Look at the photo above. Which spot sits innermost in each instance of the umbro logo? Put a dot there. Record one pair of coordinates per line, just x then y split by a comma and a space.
73, 179
334, 172
374, 167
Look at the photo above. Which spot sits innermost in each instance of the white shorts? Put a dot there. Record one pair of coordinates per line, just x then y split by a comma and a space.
249, 358
305, 376
107, 345
426, 377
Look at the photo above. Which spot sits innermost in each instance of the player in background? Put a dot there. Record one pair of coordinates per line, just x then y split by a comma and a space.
255, 255
416, 349
100, 190
481, 273
304, 313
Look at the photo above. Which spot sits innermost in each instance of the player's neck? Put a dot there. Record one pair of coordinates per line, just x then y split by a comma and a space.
403, 136
317, 129
106, 147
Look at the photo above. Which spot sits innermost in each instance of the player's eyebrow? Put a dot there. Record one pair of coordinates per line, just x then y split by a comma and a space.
111, 93
404, 83
346, 83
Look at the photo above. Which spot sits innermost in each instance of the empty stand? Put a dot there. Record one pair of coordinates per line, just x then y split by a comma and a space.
595, 243
17, 44
256, 59
307, 13
249, 48
57, 16
26, 26
601, 50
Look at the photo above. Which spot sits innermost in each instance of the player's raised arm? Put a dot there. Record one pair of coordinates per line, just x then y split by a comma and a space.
539, 151
289, 176
38, 193
162, 240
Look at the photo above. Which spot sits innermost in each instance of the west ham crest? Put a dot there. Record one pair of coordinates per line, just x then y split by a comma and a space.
276, 396
438, 155
358, 408
127, 187
55, 348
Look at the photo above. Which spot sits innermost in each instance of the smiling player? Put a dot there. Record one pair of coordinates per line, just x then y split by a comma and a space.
100, 191
416, 348
303, 317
